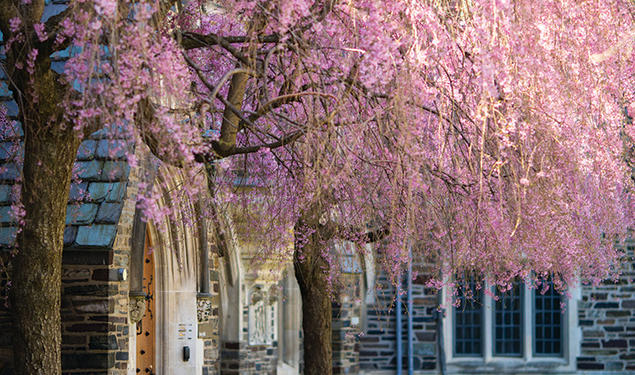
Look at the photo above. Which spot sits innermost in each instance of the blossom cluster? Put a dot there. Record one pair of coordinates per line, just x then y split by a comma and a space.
484, 135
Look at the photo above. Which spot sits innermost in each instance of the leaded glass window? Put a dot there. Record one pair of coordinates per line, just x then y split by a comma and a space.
548, 326
508, 321
468, 322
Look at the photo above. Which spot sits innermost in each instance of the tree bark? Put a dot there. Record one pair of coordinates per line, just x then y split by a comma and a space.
310, 272
37, 267
50, 147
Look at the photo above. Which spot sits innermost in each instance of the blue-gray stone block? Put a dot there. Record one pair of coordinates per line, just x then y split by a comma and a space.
4, 89
96, 235
99, 134
76, 86
115, 171
108, 213
107, 191
12, 131
424, 349
6, 150
6, 195
97, 191
7, 235
86, 150
62, 55
117, 192
58, 66
11, 150
12, 108
78, 191
9, 171
112, 131
51, 10
81, 213
70, 232
6, 216
89, 170
111, 149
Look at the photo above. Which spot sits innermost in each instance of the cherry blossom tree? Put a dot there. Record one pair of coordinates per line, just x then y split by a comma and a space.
495, 133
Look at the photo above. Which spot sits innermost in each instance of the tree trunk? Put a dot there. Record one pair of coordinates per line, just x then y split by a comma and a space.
35, 295
310, 272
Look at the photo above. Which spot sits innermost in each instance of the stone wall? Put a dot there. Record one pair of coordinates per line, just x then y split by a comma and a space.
94, 292
94, 314
211, 343
262, 358
233, 358
89, 340
247, 358
346, 314
377, 344
607, 319
96, 246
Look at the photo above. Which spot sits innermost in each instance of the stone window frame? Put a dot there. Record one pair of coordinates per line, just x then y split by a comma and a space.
528, 362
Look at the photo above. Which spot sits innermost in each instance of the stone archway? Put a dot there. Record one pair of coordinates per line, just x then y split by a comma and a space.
186, 335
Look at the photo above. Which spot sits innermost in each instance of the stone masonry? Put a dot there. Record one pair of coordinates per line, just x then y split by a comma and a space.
378, 346
607, 319
346, 314
96, 246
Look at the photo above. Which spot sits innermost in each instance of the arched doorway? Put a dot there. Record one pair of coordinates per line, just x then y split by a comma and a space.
174, 311
146, 327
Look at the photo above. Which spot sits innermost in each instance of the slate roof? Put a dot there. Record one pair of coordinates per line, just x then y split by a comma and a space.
95, 202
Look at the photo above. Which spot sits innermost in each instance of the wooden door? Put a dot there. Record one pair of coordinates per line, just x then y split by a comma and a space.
146, 327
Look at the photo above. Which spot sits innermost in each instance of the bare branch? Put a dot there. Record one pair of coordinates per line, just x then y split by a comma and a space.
355, 234
196, 40
192, 40
288, 139
284, 99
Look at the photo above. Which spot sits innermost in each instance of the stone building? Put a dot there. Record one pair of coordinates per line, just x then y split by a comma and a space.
169, 298
591, 330
156, 297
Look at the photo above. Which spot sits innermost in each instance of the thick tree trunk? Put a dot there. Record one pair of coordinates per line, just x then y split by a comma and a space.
310, 272
37, 267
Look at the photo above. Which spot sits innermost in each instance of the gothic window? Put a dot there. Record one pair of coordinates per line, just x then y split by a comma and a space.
508, 316
519, 323
468, 317
548, 327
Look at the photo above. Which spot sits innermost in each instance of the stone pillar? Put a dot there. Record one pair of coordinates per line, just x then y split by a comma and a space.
234, 358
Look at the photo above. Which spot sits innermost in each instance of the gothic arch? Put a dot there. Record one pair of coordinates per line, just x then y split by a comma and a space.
188, 310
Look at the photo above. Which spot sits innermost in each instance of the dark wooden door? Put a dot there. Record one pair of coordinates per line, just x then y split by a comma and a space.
146, 328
